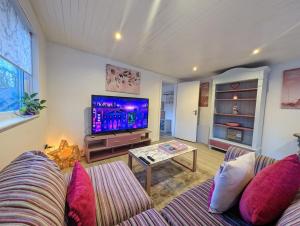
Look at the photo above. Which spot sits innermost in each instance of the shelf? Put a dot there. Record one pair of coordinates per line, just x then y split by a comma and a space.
100, 148
236, 90
234, 115
108, 154
112, 145
234, 127
245, 99
223, 144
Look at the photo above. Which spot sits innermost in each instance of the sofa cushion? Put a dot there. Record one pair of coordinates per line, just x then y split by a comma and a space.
81, 197
261, 161
119, 195
32, 191
271, 191
291, 215
230, 181
233, 152
147, 218
190, 208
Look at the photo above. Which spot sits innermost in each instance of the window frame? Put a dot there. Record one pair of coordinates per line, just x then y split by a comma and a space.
9, 119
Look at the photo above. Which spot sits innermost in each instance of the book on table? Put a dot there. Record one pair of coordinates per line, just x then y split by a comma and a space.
172, 147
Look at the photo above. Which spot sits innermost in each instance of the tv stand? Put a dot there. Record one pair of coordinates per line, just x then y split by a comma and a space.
112, 145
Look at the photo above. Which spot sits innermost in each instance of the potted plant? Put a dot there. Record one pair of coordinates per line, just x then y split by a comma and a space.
31, 105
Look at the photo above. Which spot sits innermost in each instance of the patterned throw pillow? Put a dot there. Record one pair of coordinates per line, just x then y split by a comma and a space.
81, 198
230, 181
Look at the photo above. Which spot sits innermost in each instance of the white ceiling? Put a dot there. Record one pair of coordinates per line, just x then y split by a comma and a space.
171, 36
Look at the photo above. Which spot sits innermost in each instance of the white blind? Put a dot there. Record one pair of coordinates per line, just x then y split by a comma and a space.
15, 38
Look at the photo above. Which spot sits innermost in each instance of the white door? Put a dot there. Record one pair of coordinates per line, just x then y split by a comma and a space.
187, 110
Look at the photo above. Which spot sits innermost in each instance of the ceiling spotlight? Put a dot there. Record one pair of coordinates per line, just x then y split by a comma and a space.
256, 51
118, 36
195, 68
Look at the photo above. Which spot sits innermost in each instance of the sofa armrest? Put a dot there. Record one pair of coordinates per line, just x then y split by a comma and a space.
119, 195
234, 152
291, 215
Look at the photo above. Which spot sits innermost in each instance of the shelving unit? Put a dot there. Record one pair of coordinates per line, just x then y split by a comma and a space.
112, 145
238, 97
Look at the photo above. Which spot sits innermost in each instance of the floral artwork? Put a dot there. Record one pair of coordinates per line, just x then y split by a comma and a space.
204, 90
122, 80
290, 97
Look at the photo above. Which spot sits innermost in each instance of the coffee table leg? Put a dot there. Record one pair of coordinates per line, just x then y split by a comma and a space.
130, 161
148, 179
194, 160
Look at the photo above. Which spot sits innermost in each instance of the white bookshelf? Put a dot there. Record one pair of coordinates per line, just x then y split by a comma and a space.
245, 90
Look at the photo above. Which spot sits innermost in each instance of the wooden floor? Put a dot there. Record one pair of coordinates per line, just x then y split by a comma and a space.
171, 179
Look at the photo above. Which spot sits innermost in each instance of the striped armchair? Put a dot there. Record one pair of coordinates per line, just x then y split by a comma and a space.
191, 207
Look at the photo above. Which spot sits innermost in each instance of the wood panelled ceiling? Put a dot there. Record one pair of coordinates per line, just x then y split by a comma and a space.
172, 36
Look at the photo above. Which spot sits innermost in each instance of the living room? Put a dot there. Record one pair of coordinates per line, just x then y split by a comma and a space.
214, 79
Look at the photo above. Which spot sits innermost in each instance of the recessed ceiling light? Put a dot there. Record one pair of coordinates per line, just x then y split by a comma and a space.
256, 51
118, 36
195, 68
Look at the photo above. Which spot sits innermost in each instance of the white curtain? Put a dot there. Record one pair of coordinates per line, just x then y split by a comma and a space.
15, 38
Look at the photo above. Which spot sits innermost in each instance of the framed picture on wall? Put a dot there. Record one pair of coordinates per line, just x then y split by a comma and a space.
204, 90
290, 95
122, 80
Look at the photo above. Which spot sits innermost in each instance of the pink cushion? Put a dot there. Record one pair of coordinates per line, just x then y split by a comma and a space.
81, 198
271, 191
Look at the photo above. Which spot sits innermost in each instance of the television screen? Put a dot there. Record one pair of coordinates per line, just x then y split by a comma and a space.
111, 113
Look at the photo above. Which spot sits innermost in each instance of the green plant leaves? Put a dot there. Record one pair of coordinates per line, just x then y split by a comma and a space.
31, 105
33, 95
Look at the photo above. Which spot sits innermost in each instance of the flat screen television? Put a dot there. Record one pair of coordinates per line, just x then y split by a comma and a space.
112, 114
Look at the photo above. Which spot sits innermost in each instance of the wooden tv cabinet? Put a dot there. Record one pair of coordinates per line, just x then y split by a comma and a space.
111, 145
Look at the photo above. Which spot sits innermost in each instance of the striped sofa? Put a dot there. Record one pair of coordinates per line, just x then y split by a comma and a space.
33, 192
190, 208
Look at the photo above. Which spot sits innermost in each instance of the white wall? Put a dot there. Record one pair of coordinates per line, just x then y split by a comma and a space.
279, 124
30, 135
73, 76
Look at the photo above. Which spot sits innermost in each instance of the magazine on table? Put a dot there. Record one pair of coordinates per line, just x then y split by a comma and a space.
173, 147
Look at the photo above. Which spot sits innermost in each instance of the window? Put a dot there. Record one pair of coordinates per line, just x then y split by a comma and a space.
15, 56
10, 86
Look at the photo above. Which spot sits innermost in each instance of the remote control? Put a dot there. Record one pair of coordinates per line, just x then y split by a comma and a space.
149, 157
144, 160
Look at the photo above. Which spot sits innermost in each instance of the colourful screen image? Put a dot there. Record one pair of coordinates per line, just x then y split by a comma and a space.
118, 113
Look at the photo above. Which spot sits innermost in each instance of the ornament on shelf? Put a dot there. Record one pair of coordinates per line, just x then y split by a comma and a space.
235, 85
235, 109
65, 156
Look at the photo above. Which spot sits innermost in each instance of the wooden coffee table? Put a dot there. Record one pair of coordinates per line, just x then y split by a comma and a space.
159, 156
